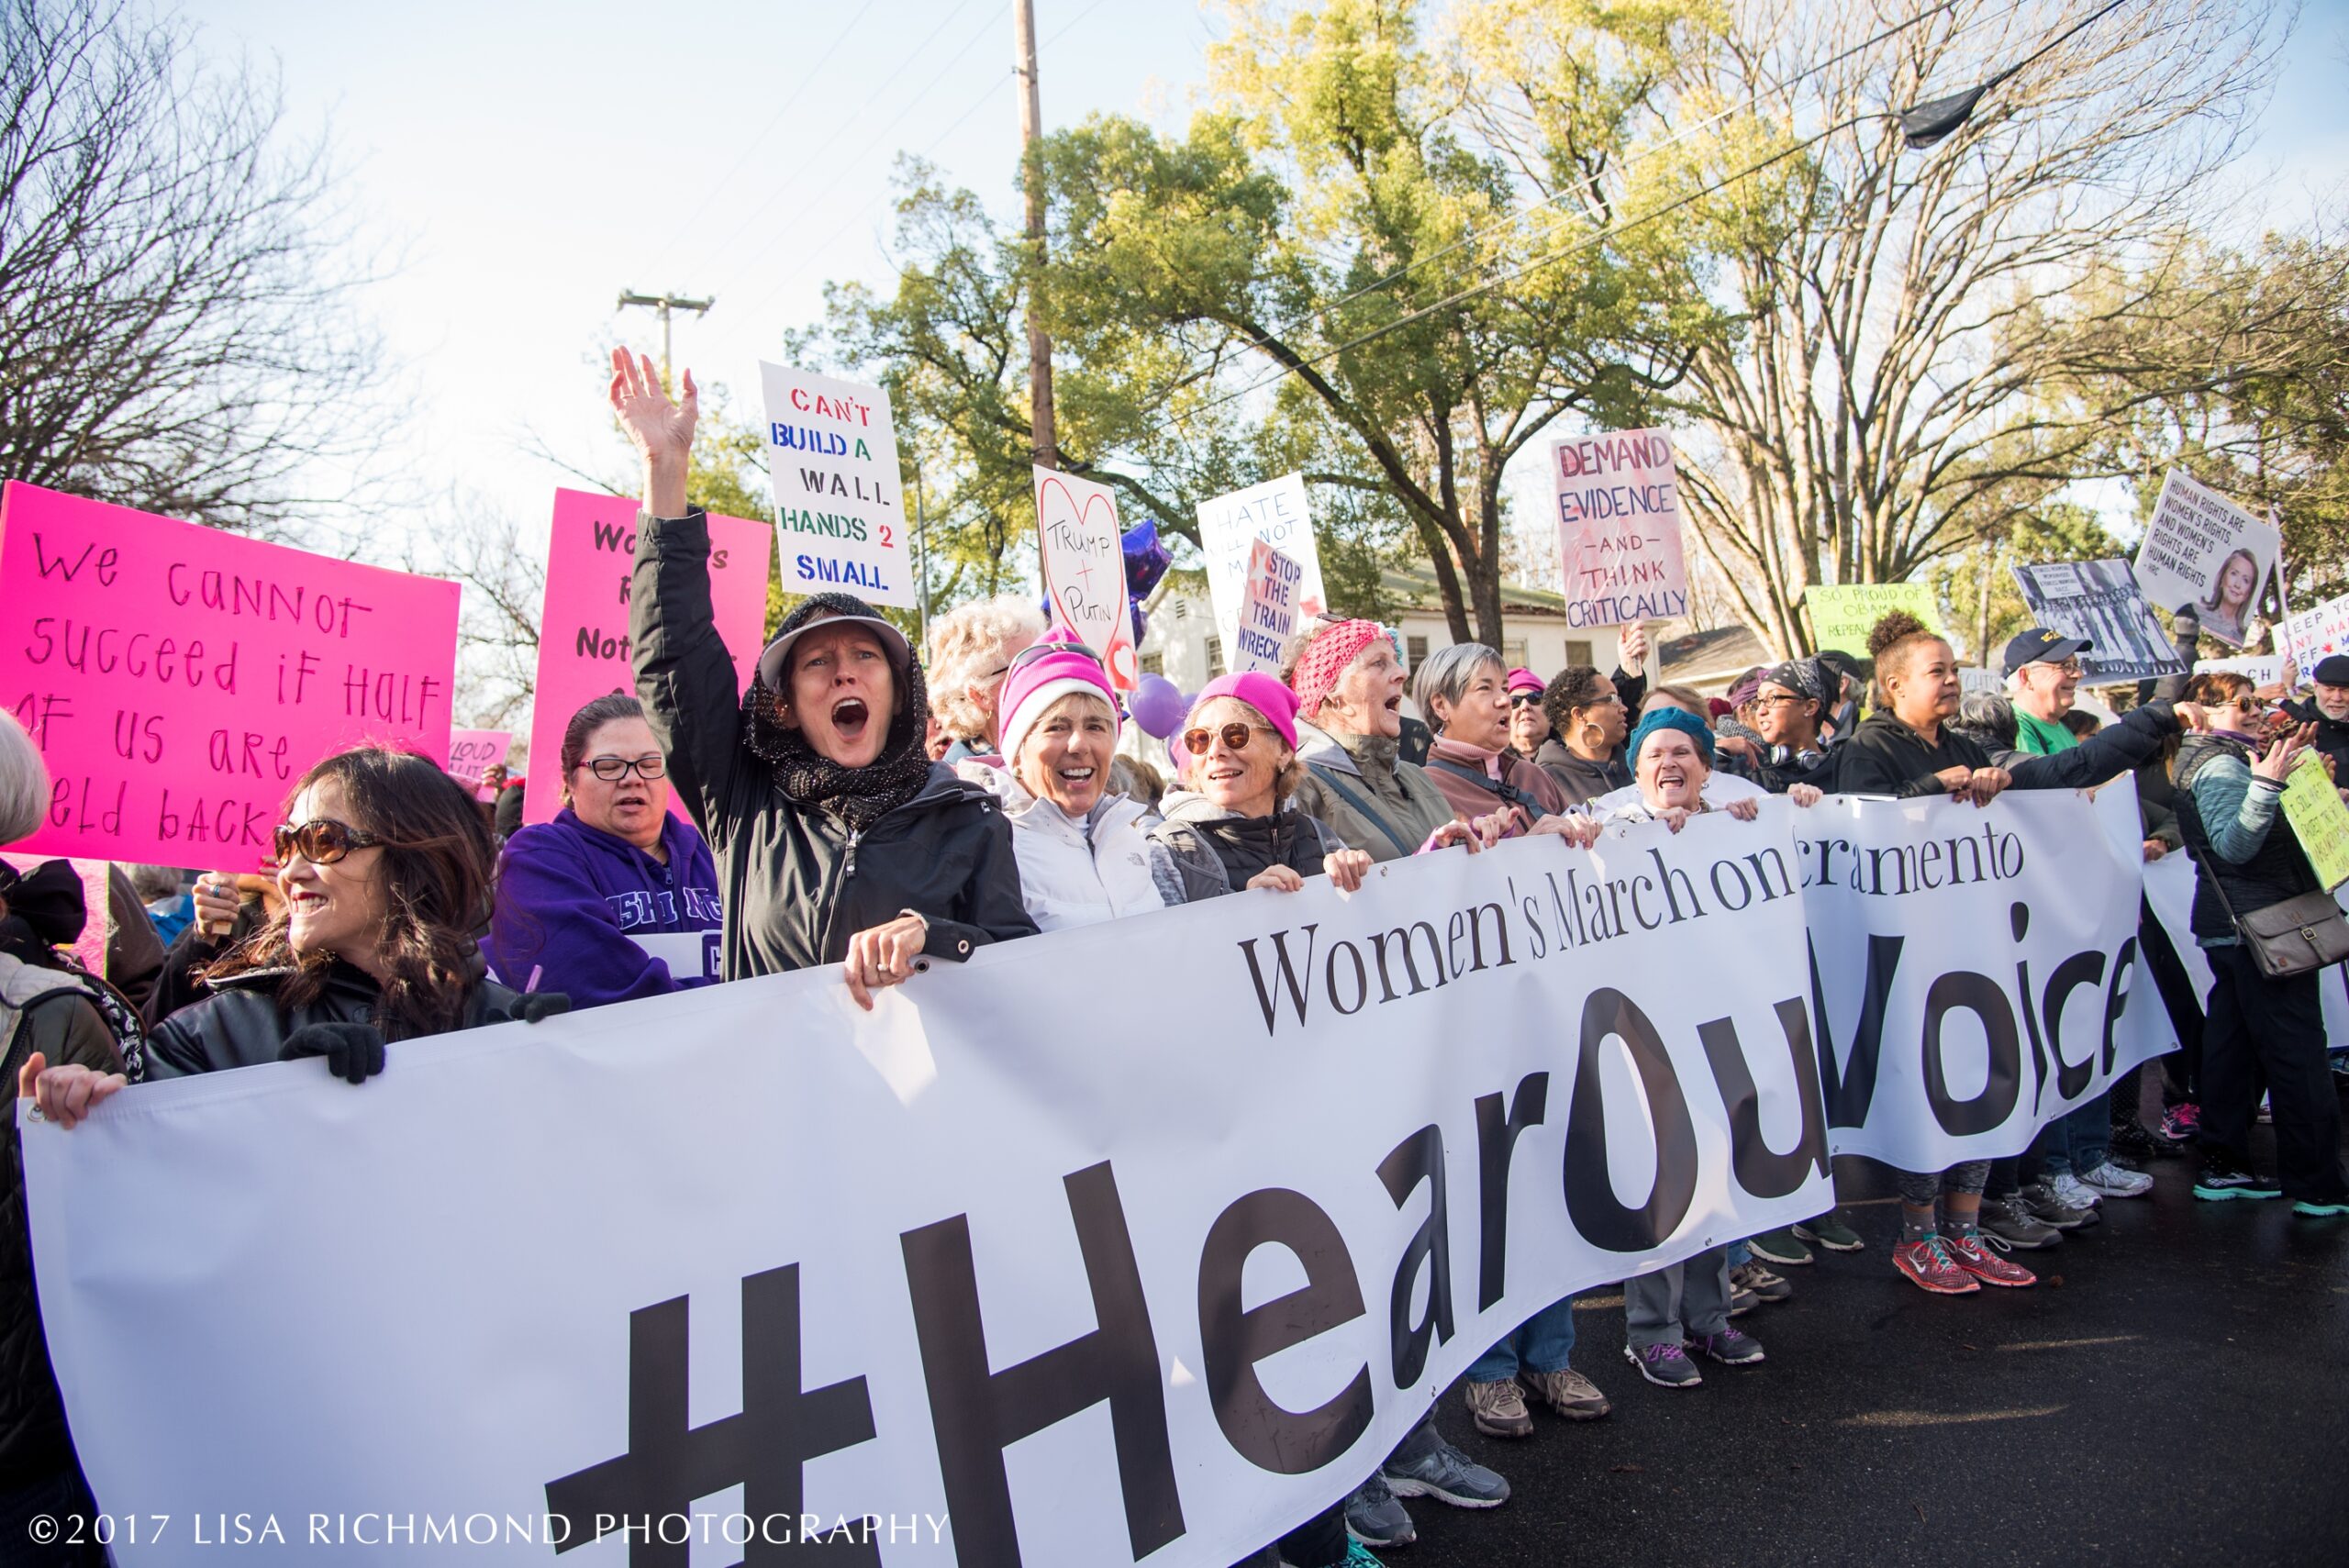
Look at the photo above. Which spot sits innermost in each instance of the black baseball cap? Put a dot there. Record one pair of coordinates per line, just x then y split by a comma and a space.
2041, 646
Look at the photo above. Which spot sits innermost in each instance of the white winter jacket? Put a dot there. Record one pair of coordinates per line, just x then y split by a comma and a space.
1079, 872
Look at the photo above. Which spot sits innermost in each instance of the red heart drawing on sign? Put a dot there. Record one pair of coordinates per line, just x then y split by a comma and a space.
1095, 610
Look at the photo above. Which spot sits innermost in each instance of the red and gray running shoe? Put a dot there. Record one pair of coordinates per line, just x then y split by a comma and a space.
1932, 1268
1973, 1254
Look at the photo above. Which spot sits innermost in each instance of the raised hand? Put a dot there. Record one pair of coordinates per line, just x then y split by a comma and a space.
661, 429
2283, 753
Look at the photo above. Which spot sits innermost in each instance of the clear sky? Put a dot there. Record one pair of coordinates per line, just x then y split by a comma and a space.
532, 160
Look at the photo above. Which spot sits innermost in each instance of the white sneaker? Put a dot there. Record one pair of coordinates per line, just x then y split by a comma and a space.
2070, 1191
2111, 1179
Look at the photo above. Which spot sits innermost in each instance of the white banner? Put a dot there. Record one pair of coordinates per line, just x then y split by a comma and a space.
1157, 1233
1279, 512
1974, 967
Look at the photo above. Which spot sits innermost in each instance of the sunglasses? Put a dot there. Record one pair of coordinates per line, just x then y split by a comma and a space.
1038, 650
1526, 699
321, 842
612, 769
1235, 738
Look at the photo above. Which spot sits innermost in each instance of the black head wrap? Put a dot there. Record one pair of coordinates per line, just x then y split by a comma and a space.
811, 780
46, 909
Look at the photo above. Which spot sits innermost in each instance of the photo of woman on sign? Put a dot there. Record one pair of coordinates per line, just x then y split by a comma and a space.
2227, 609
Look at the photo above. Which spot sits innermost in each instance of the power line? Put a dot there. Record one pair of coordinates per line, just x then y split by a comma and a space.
840, 129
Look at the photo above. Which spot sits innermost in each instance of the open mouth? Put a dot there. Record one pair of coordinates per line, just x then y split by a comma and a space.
1395, 704
1670, 778
302, 903
1076, 775
850, 715
633, 797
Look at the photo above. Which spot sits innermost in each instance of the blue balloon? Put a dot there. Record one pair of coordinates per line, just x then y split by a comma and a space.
1146, 559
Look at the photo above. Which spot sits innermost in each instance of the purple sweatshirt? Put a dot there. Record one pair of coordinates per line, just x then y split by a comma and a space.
598, 918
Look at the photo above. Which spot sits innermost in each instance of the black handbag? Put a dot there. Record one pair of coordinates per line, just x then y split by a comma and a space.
2302, 933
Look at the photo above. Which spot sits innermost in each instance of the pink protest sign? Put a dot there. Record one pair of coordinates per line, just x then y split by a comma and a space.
1618, 529
583, 633
179, 679
473, 752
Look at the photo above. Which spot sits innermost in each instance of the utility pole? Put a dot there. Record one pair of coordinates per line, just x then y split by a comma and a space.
662, 304
1039, 347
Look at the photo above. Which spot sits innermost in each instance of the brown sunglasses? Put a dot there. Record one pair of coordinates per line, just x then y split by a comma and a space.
321, 842
1235, 736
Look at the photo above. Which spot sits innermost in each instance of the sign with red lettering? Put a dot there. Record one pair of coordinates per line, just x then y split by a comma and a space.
840, 512
582, 629
179, 679
1618, 529
1084, 569
473, 752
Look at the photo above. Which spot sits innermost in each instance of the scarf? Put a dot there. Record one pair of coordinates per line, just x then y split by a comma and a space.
856, 797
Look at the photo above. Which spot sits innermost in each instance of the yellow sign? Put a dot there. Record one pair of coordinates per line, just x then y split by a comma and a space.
1842, 617
2320, 821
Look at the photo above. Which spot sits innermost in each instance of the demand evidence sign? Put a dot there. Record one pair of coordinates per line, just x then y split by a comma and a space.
839, 507
1618, 529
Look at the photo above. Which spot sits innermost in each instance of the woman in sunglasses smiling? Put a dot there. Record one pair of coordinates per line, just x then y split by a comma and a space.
385, 869
838, 839
618, 896
1234, 829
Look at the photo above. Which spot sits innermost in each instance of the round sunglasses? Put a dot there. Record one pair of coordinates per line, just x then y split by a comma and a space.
321, 842
1235, 736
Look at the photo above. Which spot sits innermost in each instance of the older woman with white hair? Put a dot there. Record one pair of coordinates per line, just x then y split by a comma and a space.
1464, 692
1349, 684
971, 649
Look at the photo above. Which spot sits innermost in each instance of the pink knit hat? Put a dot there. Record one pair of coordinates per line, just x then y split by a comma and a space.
1259, 691
1056, 666
1525, 681
1329, 655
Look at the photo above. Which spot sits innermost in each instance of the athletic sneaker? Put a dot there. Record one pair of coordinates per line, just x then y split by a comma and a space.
1567, 1393
1779, 1247
1731, 1347
1499, 1409
2180, 1122
2332, 1210
2221, 1179
1445, 1474
1926, 1264
1977, 1256
2011, 1221
1741, 1301
1831, 1233
1357, 1556
2266, 1111
2067, 1188
1665, 1365
2132, 1139
2052, 1210
1753, 1276
1375, 1519
2112, 1181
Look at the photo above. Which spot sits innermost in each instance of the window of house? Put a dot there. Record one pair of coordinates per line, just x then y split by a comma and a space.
1214, 656
1513, 653
1153, 663
1415, 651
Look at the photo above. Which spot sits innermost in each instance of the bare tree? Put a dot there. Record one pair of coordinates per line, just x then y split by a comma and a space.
175, 323
502, 565
1902, 379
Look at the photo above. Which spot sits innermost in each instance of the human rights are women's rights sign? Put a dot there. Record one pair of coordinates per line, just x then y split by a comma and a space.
2202, 549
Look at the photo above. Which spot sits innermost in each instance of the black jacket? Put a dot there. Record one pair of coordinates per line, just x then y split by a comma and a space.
181, 983
1885, 756
796, 884
1198, 833
64, 1026
2332, 736
241, 1024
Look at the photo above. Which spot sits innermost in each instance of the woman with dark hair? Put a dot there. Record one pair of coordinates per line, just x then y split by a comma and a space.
2228, 609
1584, 756
618, 896
838, 839
385, 869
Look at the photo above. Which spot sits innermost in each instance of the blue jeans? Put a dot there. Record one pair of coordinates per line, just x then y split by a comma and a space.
2077, 1141
1541, 1345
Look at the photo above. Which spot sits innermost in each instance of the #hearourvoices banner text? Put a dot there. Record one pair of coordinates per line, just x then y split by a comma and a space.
1151, 1236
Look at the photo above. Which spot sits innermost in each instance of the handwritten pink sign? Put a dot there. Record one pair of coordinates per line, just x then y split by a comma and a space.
179, 679
583, 633
473, 752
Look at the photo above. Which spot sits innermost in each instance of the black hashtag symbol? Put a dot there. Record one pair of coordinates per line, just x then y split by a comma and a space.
669, 1463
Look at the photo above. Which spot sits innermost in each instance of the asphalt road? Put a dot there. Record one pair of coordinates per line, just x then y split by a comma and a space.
2175, 1390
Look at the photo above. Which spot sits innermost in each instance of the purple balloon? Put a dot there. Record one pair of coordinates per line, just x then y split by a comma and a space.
1157, 706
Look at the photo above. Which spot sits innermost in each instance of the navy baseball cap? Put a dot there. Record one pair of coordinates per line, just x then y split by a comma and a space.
2040, 646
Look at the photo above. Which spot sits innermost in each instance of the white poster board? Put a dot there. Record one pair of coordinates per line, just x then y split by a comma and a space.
2101, 601
2202, 549
1268, 610
1085, 572
840, 512
2265, 669
2318, 634
1276, 512
1618, 529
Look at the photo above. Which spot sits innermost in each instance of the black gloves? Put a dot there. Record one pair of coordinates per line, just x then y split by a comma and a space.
353, 1052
